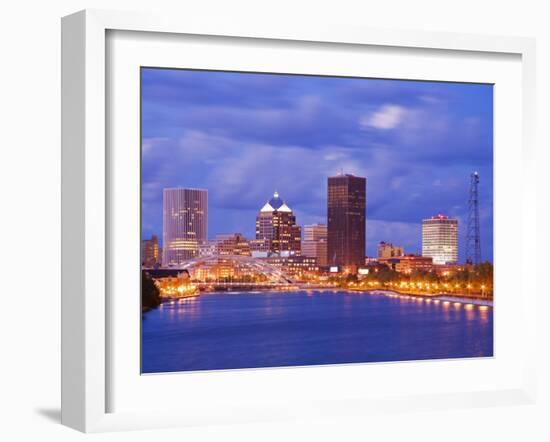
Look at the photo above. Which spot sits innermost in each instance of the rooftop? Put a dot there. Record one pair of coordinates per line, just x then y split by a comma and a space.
275, 204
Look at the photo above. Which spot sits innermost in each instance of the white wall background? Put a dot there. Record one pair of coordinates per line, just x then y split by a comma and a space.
30, 215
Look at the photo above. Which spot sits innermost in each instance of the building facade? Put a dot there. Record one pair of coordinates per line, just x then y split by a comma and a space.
260, 248
388, 250
408, 263
276, 224
296, 266
315, 232
207, 248
150, 252
185, 224
314, 244
346, 206
232, 244
440, 239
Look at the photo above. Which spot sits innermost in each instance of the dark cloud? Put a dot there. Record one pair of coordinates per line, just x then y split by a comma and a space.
243, 136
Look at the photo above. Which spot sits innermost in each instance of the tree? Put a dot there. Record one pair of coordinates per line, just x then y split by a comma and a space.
387, 275
352, 277
484, 271
150, 294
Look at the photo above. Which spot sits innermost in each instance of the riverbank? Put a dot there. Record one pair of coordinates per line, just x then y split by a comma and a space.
460, 298
474, 301
442, 297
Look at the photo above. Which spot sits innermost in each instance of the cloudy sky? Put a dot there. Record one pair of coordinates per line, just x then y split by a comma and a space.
242, 136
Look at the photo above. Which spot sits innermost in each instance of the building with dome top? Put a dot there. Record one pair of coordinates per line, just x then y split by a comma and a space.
276, 225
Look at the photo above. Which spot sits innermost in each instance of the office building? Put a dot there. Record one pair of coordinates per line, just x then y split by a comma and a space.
408, 263
388, 250
207, 248
295, 266
232, 244
315, 243
346, 204
260, 248
315, 232
185, 224
277, 224
150, 256
440, 239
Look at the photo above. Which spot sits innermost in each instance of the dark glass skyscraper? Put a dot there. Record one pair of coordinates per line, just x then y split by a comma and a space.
346, 204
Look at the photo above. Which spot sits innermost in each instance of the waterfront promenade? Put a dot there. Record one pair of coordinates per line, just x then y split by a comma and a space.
464, 298
269, 287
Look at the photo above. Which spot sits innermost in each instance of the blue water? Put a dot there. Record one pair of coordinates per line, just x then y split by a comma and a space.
272, 329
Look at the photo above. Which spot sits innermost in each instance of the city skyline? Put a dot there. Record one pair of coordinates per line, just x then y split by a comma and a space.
431, 240
241, 166
278, 233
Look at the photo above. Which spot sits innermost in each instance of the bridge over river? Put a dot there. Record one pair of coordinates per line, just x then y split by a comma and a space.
261, 274
223, 286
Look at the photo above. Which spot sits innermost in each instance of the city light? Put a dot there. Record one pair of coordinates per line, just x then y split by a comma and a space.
279, 246
259, 256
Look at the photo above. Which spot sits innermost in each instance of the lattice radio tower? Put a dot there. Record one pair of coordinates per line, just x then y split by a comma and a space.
473, 246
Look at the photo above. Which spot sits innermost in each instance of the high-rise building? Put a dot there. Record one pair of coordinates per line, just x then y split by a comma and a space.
315, 243
440, 239
150, 256
185, 224
388, 250
277, 224
346, 204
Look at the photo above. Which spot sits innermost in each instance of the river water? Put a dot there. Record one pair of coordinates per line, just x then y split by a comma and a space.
271, 329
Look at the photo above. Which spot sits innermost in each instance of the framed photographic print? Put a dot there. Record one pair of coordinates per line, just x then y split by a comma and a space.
256, 246
265, 223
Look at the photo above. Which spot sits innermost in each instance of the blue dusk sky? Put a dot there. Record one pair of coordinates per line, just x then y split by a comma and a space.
244, 135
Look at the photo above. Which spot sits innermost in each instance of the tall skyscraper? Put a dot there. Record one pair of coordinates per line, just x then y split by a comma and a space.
440, 239
185, 224
314, 244
346, 204
277, 224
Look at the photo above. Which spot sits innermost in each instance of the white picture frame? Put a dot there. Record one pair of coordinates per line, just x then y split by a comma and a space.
86, 206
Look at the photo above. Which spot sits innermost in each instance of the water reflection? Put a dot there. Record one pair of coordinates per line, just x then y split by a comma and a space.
229, 330
470, 312
484, 313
